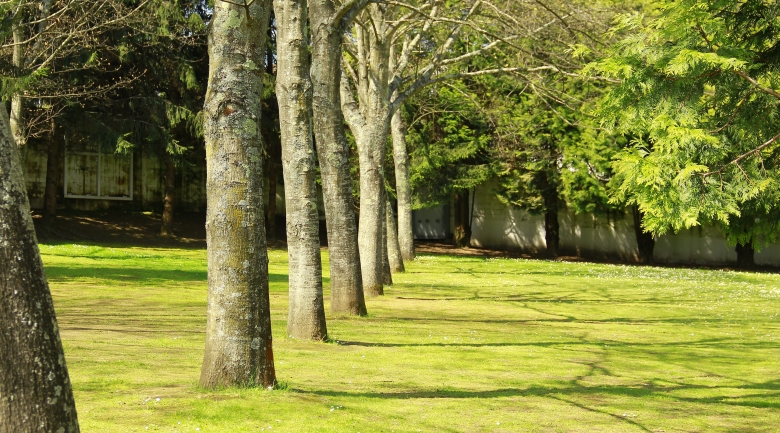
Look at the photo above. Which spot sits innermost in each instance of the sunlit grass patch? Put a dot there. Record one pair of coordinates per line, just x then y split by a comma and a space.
457, 344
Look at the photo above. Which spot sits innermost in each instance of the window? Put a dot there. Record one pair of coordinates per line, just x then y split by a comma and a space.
96, 174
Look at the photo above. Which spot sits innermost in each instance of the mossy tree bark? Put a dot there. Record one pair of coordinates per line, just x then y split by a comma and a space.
238, 332
16, 120
306, 314
327, 27
35, 389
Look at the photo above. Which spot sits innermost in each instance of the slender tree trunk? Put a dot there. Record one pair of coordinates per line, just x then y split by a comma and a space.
306, 317
170, 194
387, 274
54, 165
372, 211
462, 235
402, 187
369, 122
551, 229
393, 250
346, 283
17, 106
745, 255
271, 231
644, 240
238, 331
35, 389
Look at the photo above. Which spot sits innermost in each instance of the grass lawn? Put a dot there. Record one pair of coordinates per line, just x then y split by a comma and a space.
456, 345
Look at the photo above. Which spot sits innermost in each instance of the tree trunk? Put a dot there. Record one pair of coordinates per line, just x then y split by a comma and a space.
551, 228
393, 250
387, 274
402, 188
372, 216
462, 236
306, 314
170, 193
346, 283
238, 331
17, 107
35, 389
54, 164
369, 122
644, 240
745, 255
271, 231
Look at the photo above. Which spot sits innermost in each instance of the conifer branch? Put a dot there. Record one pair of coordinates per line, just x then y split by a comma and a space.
743, 156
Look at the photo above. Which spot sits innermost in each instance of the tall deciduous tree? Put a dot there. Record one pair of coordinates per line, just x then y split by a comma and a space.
328, 23
35, 390
238, 333
306, 317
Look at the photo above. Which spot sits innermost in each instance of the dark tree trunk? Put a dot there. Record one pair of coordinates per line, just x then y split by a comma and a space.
54, 165
239, 349
745, 255
346, 281
462, 236
551, 229
35, 389
271, 227
644, 240
170, 195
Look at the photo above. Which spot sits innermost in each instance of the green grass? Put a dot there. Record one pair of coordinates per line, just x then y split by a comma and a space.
456, 345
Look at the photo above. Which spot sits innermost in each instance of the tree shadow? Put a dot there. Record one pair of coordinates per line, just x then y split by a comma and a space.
138, 275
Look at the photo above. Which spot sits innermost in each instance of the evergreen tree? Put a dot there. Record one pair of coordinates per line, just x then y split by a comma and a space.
699, 92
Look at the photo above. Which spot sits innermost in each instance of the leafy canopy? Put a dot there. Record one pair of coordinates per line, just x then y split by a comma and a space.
698, 92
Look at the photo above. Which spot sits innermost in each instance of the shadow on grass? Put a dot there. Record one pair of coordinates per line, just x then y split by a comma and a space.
614, 344
149, 274
573, 389
575, 394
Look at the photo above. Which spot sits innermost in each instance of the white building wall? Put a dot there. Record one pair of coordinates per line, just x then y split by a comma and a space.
498, 226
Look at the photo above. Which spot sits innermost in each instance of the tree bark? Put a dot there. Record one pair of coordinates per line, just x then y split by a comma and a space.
745, 255
54, 165
17, 107
306, 314
462, 236
238, 331
369, 122
346, 282
393, 250
170, 194
644, 240
387, 274
35, 389
402, 187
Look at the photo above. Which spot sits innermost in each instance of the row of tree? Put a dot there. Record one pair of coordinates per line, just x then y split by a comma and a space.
453, 91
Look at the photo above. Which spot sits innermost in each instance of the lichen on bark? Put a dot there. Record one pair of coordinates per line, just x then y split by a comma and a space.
239, 348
